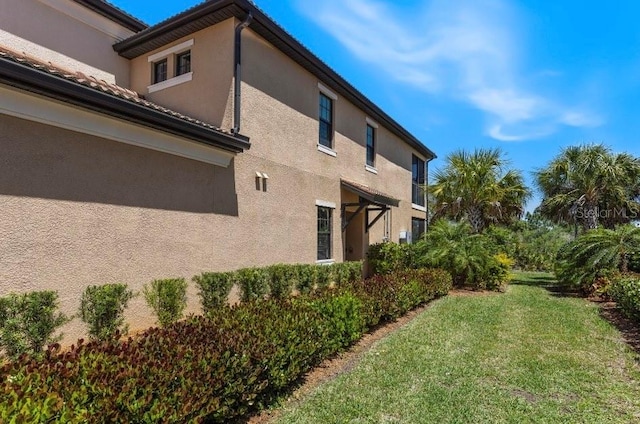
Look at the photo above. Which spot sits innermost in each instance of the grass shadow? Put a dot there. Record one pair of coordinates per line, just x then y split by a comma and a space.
546, 281
629, 329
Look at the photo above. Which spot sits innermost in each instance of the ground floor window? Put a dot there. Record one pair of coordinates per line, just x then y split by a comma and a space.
418, 227
324, 233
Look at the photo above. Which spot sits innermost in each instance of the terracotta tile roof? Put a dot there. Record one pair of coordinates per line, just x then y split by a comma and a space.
98, 85
369, 193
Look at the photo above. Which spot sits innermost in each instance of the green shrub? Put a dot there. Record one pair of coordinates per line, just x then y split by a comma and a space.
306, 278
253, 283
389, 257
469, 258
323, 276
214, 289
28, 322
102, 309
282, 279
342, 310
214, 369
346, 272
626, 293
167, 298
597, 254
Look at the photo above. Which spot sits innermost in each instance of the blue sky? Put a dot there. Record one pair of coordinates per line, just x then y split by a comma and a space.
527, 76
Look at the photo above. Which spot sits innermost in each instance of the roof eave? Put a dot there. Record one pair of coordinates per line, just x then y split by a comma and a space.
35, 81
271, 31
113, 13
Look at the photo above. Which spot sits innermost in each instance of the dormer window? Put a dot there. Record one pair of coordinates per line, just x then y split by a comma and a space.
171, 66
160, 71
183, 63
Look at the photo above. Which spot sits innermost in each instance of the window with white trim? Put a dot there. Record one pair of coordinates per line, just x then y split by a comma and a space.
326, 121
324, 233
160, 71
183, 63
171, 66
371, 145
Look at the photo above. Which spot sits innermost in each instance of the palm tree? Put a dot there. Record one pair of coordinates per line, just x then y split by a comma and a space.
478, 187
597, 252
453, 247
589, 184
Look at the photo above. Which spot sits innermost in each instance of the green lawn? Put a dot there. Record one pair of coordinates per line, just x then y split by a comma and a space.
522, 356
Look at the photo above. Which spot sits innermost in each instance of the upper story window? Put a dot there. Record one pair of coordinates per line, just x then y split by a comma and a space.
183, 63
160, 71
371, 145
171, 66
326, 121
418, 172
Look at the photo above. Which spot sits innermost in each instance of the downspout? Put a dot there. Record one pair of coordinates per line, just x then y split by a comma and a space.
237, 73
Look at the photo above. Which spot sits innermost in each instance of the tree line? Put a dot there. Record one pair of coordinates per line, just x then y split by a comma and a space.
586, 186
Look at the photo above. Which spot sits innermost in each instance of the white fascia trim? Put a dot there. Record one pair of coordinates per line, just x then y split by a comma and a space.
166, 52
325, 204
371, 122
170, 82
326, 150
324, 90
89, 17
40, 109
418, 207
371, 169
326, 262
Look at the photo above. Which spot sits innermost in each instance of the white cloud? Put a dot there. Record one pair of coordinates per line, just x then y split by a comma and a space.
498, 132
466, 49
579, 119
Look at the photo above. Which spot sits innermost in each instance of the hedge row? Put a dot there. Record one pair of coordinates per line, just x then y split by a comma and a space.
626, 292
29, 321
212, 369
276, 281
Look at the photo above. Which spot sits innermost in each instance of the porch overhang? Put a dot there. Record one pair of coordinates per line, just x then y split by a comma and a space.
369, 201
372, 196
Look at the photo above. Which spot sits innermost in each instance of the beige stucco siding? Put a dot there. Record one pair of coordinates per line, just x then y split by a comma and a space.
80, 210
208, 96
280, 114
66, 34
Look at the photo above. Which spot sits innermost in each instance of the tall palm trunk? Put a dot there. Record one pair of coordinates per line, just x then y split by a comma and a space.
476, 219
624, 263
590, 217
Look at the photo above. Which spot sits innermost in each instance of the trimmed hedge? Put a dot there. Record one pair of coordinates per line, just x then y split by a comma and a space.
28, 322
388, 257
212, 369
626, 293
214, 289
275, 281
102, 309
167, 298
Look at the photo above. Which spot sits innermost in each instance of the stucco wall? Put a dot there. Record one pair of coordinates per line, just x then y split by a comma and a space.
79, 210
208, 96
280, 115
51, 31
